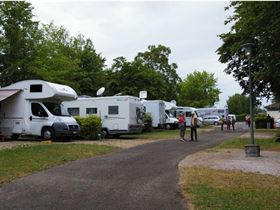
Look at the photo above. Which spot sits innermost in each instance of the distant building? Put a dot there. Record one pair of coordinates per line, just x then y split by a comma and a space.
273, 110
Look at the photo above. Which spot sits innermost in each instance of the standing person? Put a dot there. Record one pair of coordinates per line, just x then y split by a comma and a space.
182, 126
268, 119
193, 126
233, 123
222, 122
228, 122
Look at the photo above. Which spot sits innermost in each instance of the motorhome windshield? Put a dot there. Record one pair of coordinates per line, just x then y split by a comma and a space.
56, 109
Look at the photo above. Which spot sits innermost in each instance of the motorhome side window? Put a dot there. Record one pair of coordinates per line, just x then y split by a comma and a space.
36, 88
75, 111
38, 110
113, 110
91, 110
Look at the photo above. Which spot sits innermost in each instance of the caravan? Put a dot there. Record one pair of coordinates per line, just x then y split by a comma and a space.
156, 108
33, 107
119, 114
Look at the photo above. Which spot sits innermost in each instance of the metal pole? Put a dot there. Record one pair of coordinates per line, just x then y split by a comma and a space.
251, 103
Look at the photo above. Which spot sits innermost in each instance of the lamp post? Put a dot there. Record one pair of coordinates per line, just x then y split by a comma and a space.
251, 150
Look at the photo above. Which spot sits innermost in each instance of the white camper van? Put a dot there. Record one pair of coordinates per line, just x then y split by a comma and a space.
157, 110
119, 114
33, 107
171, 121
187, 111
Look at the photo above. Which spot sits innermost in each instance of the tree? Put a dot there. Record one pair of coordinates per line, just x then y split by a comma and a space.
17, 46
257, 23
68, 60
199, 90
238, 104
157, 59
131, 77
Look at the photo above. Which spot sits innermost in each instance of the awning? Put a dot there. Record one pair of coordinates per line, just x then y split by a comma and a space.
6, 93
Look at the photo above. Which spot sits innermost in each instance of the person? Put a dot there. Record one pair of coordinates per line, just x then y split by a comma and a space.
222, 122
268, 120
228, 123
249, 121
182, 126
193, 127
233, 123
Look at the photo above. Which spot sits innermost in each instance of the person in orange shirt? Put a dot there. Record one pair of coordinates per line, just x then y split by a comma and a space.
182, 126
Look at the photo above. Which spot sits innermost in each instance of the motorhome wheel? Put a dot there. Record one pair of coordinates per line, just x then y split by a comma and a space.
168, 126
104, 134
15, 136
48, 133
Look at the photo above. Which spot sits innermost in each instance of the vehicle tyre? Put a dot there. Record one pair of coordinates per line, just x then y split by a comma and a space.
168, 126
216, 123
15, 136
104, 134
48, 133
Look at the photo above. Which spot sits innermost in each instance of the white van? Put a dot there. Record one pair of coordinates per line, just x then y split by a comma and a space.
157, 110
33, 107
171, 121
187, 111
119, 114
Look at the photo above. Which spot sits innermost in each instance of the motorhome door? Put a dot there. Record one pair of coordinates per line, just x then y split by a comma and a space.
38, 118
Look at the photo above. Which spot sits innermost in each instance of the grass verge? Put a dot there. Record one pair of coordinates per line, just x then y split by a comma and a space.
239, 143
208, 189
24, 160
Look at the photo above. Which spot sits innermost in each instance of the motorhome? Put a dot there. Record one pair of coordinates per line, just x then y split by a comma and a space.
187, 111
157, 110
33, 107
171, 121
119, 114
203, 112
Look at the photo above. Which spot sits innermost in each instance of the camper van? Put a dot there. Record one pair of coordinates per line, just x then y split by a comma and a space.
33, 107
119, 114
187, 111
171, 121
157, 110
203, 112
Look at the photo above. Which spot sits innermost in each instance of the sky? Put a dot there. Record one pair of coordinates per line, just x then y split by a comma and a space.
124, 28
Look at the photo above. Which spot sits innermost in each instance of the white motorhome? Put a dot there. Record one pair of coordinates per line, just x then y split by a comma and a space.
187, 111
203, 112
33, 107
157, 110
171, 121
119, 114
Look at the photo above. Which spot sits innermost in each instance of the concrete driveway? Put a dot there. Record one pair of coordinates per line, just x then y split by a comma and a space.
143, 177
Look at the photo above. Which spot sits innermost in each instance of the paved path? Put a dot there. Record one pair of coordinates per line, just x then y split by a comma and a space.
143, 177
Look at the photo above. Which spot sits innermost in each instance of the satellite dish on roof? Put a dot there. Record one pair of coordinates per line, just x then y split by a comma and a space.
100, 91
173, 102
143, 94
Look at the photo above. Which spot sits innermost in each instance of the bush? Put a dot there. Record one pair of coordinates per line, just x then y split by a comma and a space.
240, 117
261, 122
148, 121
90, 126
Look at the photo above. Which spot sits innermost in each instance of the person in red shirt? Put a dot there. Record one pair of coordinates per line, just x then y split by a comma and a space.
182, 126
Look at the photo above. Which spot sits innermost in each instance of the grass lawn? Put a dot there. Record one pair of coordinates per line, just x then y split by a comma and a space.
21, 161
239, 143
207, 189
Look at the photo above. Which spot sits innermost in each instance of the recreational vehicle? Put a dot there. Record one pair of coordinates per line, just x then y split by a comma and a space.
157, 110
119, 114
203, 112
171, 121
33, 107
187, 111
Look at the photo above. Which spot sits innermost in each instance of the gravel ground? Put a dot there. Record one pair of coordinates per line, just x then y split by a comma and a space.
234, 159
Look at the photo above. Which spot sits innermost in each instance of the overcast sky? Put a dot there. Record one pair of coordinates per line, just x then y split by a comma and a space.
189, 28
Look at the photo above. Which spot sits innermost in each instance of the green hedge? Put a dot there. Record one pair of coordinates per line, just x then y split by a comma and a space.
90, 127
261, 122
148, 121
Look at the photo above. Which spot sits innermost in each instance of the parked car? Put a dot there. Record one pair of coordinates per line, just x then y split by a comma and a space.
211, 120
277, 123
